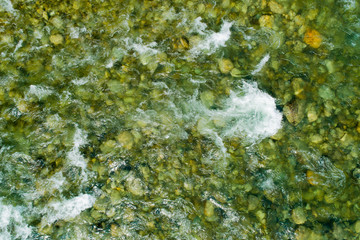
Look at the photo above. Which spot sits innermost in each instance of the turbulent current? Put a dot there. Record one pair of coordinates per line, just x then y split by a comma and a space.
179, 119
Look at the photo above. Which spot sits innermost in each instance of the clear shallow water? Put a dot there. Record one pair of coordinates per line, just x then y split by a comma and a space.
189, 120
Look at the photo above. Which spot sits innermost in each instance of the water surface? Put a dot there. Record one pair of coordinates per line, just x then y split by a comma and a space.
179, 120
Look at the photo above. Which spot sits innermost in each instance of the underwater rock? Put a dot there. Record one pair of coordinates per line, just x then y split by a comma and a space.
321, 171
312, 114
23, 106
116, 231
303, 233
276, 7
253, 202
266, 21
279, 135
152, 66
299, 20
135, 186
261, 216
158, 119
356, 174
294, 112
298, 215
57, 22
100, 204
312, 14
357, 226
330, 66
115, 197
56, 39
326, 93
209, 209
207, 98
316, 138
298, 86
126, 140
225, 65
312, 38
95, 214
235, 72
108, 146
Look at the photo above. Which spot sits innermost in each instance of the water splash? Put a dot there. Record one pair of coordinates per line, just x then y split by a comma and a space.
12, 223
67, 209
6, 5
261, 64
212, 40
248, 113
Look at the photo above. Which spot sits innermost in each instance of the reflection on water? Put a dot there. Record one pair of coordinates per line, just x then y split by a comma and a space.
182, 120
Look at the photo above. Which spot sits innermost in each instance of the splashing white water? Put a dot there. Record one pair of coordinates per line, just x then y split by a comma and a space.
74, 156
50, 185
67, 209
212, 40
250, 114
198, 27
12, 223
349, 4
39, 91
6, 5
261, 64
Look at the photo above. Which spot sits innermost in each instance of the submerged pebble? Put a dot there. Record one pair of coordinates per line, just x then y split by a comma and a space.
294, 112
266, 21
312, 38
125, 139
56, 39
276, 7
225, 65
298, 215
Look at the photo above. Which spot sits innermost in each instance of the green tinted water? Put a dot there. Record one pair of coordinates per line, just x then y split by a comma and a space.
179, 120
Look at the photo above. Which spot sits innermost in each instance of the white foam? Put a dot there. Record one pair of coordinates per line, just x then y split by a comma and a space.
169, 15
248, 113
212, 40
38, 34
349, 4
74, 156
145, 52
268, 184
140, 47
75, 32
261, 64
67, 209
251, 113
80, 81
53, 183
198, 27
149, 48
12, 224
39, 91
109, 64
18, 45
6, 5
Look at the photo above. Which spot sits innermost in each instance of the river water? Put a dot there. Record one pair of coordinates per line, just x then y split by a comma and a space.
179, 119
